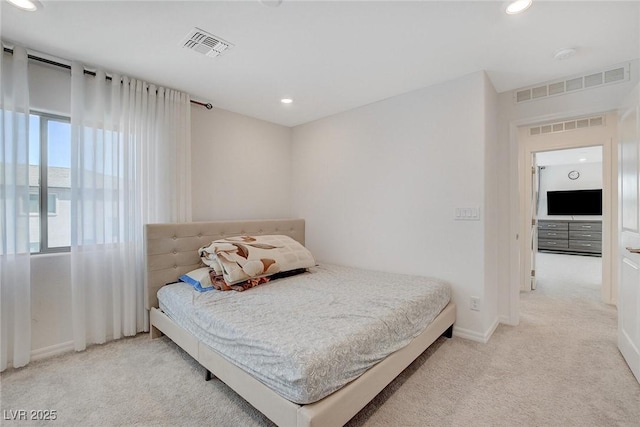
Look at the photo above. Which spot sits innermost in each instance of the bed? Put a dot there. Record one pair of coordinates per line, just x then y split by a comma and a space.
171, 250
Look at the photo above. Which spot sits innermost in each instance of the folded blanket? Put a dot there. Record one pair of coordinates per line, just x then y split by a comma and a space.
240, 259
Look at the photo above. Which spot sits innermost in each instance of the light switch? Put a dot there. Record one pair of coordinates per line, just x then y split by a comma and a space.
466, 214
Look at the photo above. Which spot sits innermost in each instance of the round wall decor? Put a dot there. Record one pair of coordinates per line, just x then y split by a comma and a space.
574, 175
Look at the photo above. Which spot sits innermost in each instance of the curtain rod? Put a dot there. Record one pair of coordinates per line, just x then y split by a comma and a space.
207, 105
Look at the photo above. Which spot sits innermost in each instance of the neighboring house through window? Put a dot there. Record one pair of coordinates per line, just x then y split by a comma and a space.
49, 183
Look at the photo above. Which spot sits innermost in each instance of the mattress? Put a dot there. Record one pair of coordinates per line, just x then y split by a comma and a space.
308, 335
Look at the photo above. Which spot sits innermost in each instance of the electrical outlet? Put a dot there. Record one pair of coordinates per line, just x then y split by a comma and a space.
475, 304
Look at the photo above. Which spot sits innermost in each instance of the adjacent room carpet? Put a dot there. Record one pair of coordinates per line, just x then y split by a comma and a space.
559, 367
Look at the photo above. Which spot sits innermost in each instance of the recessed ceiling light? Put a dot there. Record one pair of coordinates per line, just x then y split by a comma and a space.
286, 100
518, 6
583, 159
28, 5
565, 53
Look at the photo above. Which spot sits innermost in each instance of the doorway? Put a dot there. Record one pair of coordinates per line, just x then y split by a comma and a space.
567, 208
540, 138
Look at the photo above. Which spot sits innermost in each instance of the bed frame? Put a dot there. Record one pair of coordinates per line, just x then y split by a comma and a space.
171, 250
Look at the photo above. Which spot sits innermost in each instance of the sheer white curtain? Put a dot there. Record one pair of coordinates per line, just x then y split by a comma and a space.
130, 166
15, 266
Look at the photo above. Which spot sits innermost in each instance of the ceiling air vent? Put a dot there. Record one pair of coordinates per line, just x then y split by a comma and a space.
614, 75
572, 84
523, 95
205, 43
593, 80
568, 125
556, 88
539, 92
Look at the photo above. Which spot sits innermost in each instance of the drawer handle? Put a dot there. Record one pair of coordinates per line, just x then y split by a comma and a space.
552, 226
552, 243
586, 235
552, 234
633, 250
585, 226
586, 244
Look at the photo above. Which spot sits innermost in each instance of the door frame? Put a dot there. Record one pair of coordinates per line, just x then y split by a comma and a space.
609, 207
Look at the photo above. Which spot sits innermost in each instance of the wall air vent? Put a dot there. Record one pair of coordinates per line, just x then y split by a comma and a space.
611, 75
568, 125
205, 43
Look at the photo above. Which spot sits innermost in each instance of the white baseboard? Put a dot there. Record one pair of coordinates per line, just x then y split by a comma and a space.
474, 335
492, 329
56, 349
52, 350
506, 320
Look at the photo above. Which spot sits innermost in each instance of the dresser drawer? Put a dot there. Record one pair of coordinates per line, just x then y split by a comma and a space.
585, 246
585, 235
577, 237
553, 244
553, 234
585, 226
552, 225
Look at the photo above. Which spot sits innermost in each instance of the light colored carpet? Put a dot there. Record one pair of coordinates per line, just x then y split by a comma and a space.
560, 367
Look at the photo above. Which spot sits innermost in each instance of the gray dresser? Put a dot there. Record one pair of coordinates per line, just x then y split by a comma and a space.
570, 236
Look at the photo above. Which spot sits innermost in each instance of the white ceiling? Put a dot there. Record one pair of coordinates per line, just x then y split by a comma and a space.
572, 156
328, 56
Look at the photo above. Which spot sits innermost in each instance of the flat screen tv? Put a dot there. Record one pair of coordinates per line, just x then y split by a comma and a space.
574, 202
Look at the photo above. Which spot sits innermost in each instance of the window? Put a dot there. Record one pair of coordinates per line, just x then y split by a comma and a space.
49, 183
34, 203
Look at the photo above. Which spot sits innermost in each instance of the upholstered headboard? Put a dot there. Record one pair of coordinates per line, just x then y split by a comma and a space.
171, 249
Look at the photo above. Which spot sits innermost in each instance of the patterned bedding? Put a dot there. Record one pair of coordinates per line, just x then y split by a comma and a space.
308, 335
240, 259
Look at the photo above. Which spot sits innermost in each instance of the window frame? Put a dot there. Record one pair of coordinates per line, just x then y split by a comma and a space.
43, 178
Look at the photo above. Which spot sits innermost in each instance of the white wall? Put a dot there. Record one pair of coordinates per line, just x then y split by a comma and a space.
510, 115
378, 186
241, 167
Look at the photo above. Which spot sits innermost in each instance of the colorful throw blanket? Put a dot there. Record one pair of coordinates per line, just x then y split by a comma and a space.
243, 262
